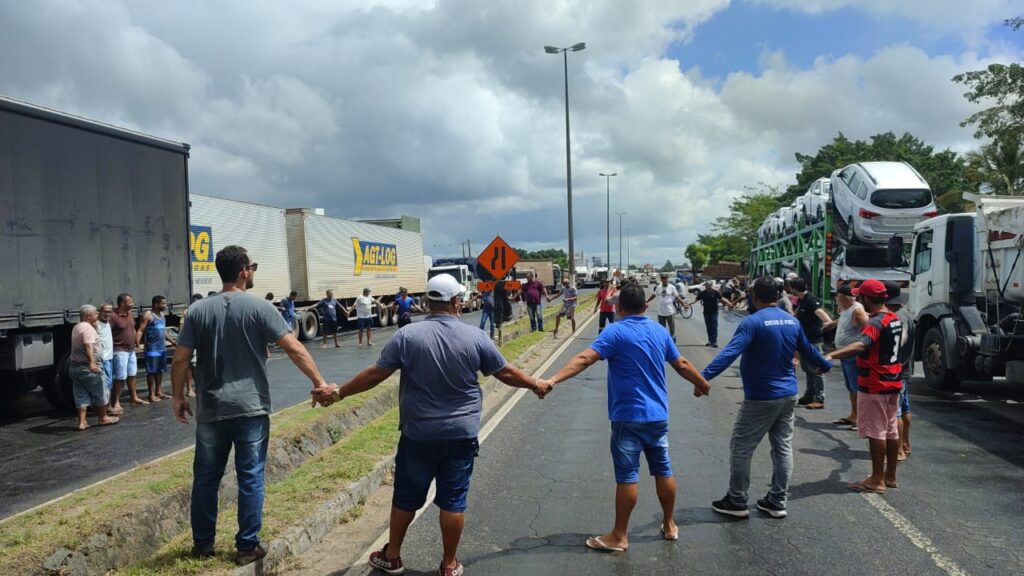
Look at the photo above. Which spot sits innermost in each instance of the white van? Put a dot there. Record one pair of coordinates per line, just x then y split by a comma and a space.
878, 200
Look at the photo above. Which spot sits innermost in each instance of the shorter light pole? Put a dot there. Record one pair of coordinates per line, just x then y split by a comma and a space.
608, 217
620, 238
627, 249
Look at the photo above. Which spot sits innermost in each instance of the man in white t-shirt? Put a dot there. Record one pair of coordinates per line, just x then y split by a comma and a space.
667, 296
106, 344
364, 314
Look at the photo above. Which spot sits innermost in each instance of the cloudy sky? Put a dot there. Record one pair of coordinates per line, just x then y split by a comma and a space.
451, 111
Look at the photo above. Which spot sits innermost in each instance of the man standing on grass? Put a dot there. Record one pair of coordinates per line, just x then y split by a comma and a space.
879, 386
153, 339
230, 332
767, 340
533, 292
812, 318
439, 404
636, 350
568, 294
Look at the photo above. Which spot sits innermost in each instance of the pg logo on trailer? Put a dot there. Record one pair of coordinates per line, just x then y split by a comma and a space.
200, 247
374, 257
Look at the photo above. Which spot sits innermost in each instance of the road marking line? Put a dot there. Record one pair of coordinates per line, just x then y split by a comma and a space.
916, 537
363, 567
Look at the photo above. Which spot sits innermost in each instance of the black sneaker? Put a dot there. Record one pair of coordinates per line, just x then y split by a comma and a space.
804, 400
202, 553
770, 508
729, 508
243, 557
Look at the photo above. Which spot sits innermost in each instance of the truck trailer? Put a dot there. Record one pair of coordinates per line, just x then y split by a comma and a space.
90, 211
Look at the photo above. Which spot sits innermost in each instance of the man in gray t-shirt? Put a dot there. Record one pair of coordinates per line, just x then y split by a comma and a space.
229, 333
439, 402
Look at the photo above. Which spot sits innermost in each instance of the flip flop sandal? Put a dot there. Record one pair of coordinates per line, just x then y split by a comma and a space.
665, 536
860, 487
894, 485
595, 543
845, 422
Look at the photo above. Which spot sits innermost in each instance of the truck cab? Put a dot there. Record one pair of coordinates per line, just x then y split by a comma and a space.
966, 291
464, 276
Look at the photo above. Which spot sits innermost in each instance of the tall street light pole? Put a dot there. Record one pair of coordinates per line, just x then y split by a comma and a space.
627, 249
608, 219
620, 238
568, 158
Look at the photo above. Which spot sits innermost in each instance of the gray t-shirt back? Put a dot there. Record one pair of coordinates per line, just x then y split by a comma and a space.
230, 333
439, 397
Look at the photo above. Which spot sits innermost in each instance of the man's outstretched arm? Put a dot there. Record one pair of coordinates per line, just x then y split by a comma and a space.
575, 365
684, 368
516, 378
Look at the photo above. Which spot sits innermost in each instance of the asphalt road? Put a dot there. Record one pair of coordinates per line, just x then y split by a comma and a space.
44, 456
544, 482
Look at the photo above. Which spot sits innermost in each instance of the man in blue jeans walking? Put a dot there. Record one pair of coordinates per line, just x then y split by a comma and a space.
767, 340
230, 332
637, 350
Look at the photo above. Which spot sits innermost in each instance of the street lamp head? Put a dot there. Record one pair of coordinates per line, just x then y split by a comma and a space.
551, 50
578, 46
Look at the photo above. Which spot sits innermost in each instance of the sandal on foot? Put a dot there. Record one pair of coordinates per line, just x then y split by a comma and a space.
666, 536
595, 543
862, 487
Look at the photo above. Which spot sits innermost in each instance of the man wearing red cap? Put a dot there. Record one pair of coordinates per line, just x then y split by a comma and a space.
878, 384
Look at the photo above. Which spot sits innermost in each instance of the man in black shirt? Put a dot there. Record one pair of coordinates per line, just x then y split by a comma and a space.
812, 318
709, 299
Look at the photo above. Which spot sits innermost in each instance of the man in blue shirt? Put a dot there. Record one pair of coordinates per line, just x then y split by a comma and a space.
636, 349
288, 308
403, 307
767, 339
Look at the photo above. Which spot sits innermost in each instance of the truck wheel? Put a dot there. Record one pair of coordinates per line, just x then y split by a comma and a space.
309, 326
933, 358
58, 390
382, 317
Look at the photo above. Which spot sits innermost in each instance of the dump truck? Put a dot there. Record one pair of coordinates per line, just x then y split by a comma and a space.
90, 211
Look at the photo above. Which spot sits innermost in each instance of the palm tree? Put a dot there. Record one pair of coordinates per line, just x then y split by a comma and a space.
999, 164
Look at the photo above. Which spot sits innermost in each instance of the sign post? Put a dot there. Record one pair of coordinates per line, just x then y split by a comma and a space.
497, 259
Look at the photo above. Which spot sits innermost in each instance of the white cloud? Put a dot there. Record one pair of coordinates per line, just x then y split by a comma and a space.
451, 110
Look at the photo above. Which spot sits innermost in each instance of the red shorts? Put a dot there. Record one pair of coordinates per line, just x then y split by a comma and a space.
876, 416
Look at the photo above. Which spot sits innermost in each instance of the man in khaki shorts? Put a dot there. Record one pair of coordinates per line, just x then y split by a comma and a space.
878, 385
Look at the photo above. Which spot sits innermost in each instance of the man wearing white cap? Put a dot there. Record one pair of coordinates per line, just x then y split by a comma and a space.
439, 402
364, 314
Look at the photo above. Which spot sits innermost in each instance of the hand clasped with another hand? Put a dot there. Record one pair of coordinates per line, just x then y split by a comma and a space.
543, 387
325, 395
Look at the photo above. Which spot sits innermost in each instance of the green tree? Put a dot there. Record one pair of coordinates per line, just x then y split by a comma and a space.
556, 255
668, 267
1001, 86
999, 164
697, 254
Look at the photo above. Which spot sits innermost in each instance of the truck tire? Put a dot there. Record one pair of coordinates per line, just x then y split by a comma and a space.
382, 317
933, 359
58, 390
309, 325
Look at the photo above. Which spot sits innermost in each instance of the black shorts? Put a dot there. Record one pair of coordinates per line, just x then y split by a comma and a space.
330, 326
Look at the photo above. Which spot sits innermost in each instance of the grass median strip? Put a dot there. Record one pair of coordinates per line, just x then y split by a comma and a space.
27, 540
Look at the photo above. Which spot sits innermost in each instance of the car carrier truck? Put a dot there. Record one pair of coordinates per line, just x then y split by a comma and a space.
88, 211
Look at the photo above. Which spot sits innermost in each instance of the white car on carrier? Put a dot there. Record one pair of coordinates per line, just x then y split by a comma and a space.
878, 200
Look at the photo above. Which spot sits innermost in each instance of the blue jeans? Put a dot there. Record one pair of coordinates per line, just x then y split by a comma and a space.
536, 317
108, 373
755, 419
486, 315
250, 437
605, 318
850, 374
815, 383
711, 321
630, 439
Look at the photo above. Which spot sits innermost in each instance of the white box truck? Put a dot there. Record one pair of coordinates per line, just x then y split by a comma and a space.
89, 211
345, 256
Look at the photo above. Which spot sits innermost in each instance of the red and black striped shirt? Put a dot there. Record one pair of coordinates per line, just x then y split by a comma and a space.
878, 367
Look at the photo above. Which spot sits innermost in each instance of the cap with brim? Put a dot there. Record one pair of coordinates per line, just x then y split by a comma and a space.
444, 287
872, 289
845, 290
895, 294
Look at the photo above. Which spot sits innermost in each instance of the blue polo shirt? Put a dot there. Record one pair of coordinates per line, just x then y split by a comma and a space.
767, 339
636, 349
439, 397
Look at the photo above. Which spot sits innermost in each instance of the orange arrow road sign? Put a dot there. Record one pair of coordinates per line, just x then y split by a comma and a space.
498, 258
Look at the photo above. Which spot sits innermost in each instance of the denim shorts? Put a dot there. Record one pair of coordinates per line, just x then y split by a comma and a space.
448, 462
88, 387
125, 365
630, 439
850, 373
364, 323
108, 372
904, 406
156, 364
